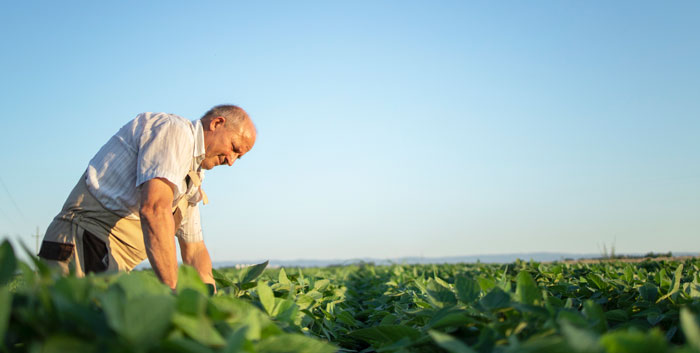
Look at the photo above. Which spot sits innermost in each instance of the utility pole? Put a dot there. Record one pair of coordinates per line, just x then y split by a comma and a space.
37, 240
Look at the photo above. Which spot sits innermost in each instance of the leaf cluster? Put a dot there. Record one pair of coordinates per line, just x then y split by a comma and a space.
132, 312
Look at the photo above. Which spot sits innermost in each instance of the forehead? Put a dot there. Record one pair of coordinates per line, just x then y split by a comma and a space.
243, 143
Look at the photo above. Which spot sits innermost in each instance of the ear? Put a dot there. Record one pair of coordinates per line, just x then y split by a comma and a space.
217, 122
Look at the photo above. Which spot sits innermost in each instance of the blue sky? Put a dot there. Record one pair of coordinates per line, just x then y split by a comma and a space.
386, 129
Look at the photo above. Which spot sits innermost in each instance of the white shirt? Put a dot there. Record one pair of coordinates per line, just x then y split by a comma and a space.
153, 145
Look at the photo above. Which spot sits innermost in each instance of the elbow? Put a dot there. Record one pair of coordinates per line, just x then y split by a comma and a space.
157, 225
154, 213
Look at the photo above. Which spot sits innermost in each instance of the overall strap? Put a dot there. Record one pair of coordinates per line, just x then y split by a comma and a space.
197, 181
183, 202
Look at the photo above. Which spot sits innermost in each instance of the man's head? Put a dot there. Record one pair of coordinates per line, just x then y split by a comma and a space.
228, 135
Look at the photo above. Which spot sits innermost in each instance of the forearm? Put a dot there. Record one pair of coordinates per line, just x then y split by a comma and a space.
196, 255
202, 263
158, 233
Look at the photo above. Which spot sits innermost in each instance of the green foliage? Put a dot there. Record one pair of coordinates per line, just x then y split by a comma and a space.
136, 313
467, 289
5, 309
520, 307
526, 290
8, 263
449, 343
691, 327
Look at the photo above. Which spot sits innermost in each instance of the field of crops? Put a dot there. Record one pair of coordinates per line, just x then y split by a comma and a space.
518, 307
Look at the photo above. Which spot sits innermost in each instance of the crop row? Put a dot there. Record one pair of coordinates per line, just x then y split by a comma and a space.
519, 307
613, 307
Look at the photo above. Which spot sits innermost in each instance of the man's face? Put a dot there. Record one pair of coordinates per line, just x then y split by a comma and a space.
223, 146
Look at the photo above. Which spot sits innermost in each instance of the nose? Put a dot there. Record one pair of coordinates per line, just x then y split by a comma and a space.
230, 158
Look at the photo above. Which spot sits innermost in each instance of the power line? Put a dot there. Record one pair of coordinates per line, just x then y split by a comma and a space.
9, 220
9, 195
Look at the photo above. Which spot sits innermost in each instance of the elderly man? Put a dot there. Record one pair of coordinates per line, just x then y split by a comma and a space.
141, 189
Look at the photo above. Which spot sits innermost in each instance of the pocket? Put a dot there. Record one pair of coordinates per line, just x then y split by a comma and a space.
95, 255
51, 250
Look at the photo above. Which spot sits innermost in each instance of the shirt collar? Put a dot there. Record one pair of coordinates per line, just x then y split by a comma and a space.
198, 142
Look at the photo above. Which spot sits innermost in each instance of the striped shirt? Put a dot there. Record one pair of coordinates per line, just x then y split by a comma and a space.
153, 145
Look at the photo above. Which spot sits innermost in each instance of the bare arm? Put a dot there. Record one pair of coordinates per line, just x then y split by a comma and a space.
197, 255
158, 228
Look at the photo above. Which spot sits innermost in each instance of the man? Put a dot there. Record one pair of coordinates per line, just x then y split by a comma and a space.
141, 189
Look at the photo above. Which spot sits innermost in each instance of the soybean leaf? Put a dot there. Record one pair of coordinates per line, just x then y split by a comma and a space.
301, 279
222, 281
486, 283
677, 276
346, 318
449, 343
188, 277
398, 346
200, 329
573, 317
42, 268
304, 301
177, 343
321, 285
282, 277
379, 336
691, 328
676, 283
286, 310
293, 343
595, 313
495, 299
146, 319
387, 320
441, 282
504, 282
8, 263
191, 302
649, 292
654, 318
236, 341
440, 295
267, 297
617, 315
526, 290
597, 280
251, 273
71, 303
5, 309
448, 317
634, 341
112, 302
581, 340
467, 289
629, 274
63, 344
245, 314
140, 283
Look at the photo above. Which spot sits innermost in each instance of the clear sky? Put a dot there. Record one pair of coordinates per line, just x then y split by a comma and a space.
385, 129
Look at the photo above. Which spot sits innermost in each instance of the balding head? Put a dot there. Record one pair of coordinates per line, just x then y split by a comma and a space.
236, 119
229, 133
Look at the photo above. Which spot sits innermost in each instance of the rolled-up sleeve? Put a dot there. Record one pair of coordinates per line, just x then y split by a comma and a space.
190, 229
165, 152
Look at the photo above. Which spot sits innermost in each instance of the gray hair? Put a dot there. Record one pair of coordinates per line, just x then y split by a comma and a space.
236, 118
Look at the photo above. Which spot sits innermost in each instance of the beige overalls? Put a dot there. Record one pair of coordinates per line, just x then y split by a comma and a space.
96, 239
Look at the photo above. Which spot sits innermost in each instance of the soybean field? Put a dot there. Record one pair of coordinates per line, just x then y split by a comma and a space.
650, 306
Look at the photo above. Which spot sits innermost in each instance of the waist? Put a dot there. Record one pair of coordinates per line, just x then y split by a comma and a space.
82, 208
